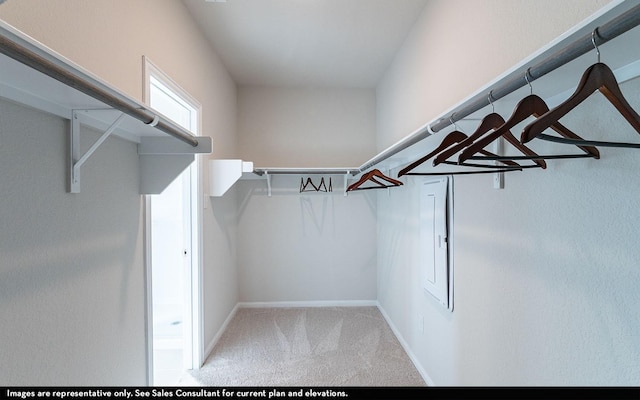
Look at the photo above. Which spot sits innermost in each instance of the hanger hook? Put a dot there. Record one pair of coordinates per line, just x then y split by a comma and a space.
526, 78
493, 108
593, 40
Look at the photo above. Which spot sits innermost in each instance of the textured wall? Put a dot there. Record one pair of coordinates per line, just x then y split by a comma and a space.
312, 247
305, 247
546, 269
71, 265
295, 247
456, 47
306, 127
109, 39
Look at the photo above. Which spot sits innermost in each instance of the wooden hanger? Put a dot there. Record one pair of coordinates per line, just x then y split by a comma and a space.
597, 77
449, 140
490, 122
531, 105
304, 185
377, 178
322, 187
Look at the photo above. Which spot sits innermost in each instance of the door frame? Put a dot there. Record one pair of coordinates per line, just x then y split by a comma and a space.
196, 301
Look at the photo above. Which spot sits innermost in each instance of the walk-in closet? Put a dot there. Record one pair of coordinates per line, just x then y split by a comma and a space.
365, 193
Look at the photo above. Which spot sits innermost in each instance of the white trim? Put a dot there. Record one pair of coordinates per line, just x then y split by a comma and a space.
150, 69
451, 240
197, 284
303, 304
406, 348
148, 295
214, 341
196, 342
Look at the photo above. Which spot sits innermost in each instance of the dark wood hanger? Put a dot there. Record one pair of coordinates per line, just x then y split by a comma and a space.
322, 187
531, 105
378, 178
490, 122
449, 140
304, 185
597, 77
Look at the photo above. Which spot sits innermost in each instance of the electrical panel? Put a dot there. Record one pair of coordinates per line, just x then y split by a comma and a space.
437, 277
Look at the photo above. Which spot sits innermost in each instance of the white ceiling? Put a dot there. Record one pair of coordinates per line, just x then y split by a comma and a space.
308, 43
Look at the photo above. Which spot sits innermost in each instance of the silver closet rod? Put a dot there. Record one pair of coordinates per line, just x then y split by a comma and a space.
606, 32
24, 51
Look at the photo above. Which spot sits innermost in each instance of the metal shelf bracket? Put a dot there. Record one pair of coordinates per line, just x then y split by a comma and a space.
76, 161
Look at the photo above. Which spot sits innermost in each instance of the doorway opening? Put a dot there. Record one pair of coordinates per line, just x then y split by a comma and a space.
172, 281
173, 252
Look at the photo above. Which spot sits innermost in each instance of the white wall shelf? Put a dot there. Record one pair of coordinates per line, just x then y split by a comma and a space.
36, 76
223, 174
267, 173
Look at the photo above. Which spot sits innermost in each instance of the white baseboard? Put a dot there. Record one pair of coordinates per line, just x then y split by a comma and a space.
216, 338
406, 348
299, 304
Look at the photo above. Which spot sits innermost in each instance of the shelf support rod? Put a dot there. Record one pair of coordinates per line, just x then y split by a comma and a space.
76, 161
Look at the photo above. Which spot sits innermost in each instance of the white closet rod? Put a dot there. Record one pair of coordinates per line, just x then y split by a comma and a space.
29, 52
605, 32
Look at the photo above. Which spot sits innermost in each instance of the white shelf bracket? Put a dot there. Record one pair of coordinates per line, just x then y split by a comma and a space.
76, 160
266, 173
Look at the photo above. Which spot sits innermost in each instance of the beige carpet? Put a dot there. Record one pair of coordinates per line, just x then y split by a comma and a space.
324, 346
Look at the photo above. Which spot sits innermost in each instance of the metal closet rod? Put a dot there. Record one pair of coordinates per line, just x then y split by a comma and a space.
610, 30
604, 33
31, 58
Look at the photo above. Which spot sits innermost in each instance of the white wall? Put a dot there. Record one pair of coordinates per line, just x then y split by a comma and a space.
456, 47
322, 127
71, 266
108, 38
305, 247
297, 247
546, 269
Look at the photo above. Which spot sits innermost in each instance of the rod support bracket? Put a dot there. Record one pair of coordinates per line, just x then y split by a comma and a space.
75, 159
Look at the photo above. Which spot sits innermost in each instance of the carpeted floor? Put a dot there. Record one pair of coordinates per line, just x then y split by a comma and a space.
332, 346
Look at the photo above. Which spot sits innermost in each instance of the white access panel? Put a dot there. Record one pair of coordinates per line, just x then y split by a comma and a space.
434, 240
